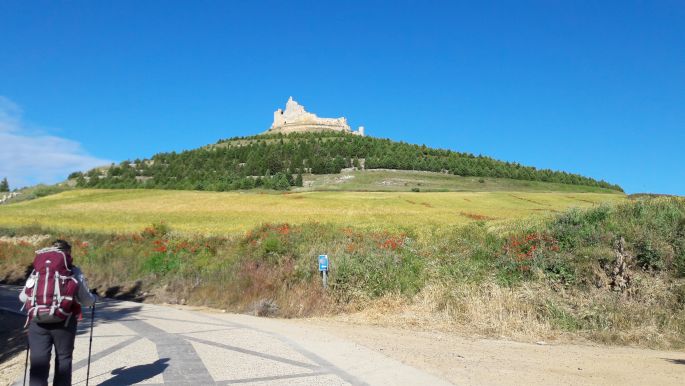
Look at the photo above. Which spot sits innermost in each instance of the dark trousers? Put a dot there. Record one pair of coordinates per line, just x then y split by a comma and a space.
41, 339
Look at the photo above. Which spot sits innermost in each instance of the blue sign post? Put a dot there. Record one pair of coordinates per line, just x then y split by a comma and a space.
323, 263
323, 268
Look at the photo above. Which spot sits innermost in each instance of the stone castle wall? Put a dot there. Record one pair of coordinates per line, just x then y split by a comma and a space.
295, 119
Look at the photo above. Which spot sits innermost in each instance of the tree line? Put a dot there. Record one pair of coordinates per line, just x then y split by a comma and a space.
277, 161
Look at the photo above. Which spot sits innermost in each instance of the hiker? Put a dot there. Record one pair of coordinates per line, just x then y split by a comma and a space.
53, 296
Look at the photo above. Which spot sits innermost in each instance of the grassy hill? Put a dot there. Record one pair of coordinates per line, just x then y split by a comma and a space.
230, 212
416, 236
279, 162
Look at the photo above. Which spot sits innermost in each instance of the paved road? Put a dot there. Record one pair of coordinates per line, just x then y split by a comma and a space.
9, 298
149, 344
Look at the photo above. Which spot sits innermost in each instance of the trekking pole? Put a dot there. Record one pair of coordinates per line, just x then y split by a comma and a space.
90, 344
26, 362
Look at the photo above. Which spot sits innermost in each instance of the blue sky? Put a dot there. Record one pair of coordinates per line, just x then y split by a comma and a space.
596, 88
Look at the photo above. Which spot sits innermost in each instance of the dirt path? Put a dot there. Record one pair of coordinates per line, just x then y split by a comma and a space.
464, 361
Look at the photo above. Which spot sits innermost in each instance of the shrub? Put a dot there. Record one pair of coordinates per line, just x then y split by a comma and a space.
561, 270
162, 263
389, 267
158, 229
648, 256
522, 253
679, 259
273, 246
576, 227
561, 318
46, 190
466, 254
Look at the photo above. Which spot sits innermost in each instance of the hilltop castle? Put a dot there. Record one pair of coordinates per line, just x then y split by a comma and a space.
296, 120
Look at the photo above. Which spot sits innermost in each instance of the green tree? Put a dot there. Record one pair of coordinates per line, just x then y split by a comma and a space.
4, 185
281, 182
356, 163
75, 175
224, 167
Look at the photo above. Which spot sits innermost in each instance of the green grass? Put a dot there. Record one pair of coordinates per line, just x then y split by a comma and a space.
386, 180
231, 212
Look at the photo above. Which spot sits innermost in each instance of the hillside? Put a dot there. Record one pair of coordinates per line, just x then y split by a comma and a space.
390, 180
221, 213
280, 162
611, 273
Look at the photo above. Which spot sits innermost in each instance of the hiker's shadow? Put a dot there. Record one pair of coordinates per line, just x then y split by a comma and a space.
136, 374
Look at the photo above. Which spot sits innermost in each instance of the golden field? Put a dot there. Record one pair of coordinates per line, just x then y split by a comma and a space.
231, 212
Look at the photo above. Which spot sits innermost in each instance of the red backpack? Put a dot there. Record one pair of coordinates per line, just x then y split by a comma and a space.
51, 288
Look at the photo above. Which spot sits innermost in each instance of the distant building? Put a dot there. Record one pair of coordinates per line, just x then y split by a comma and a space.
295, 119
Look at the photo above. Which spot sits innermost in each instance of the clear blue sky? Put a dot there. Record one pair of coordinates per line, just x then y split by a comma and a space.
596, 88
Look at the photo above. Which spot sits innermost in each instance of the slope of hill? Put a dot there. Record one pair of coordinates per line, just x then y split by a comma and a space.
223, 213
279, 161
390, 180
609, 273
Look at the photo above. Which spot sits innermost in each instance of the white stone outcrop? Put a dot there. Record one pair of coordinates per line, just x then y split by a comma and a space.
6, 197
33, 240
295, 119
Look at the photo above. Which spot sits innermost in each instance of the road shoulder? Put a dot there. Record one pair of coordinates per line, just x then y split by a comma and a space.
13, 343
470, 361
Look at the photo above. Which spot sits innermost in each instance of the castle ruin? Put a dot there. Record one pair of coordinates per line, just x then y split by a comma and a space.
295, 119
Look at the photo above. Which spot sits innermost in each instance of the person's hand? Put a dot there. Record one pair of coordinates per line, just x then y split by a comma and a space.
94, 292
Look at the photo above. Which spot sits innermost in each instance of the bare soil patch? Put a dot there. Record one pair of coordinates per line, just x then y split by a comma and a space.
529, 200
476, 216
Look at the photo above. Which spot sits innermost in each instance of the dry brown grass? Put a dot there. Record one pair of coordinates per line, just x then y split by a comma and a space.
485, 310
520, 313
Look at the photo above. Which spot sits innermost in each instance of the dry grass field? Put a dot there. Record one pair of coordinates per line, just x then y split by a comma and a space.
231, 212
515, 264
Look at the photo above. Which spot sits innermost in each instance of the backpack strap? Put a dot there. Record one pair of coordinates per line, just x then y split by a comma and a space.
56, 294
47, 249
45, 287
35, 289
